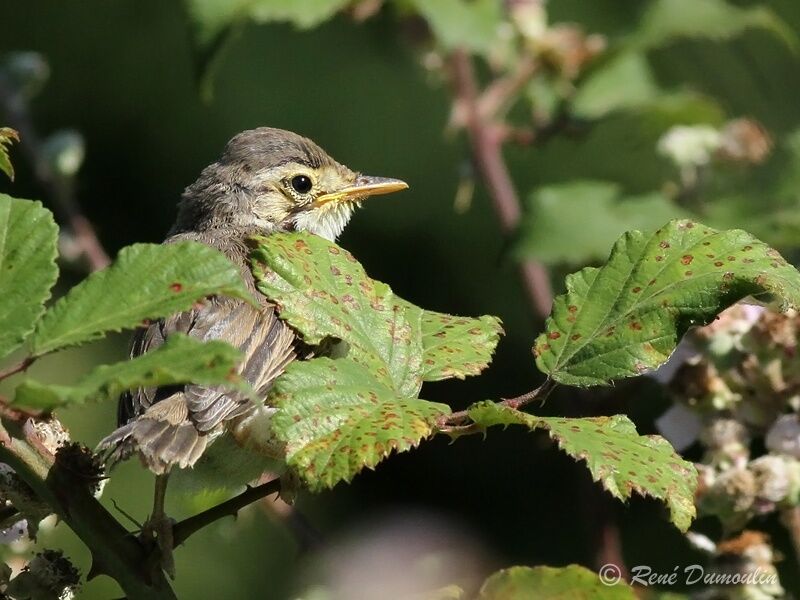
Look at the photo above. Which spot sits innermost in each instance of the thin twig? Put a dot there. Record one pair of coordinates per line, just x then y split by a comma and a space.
486, 139
15, 107
457, 422
17, 368
181, 531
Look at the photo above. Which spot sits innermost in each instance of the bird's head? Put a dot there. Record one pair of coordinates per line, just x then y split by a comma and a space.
274, 180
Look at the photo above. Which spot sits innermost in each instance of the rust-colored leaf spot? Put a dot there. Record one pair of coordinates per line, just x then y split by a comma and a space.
687, 259
664, 244
731, 258
706, 243
651, 282
688, 273
610, 331
574, 337
335, 271
710, 255
719, 263
176, 286
747, 248
636, 326
334, 250
748, 260
659, 258
572, 308
636, 290
554, 335
300, 245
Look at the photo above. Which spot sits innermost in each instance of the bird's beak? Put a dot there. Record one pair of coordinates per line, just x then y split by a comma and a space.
363, 187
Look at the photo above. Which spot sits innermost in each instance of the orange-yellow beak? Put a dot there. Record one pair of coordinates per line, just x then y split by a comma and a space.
363, 187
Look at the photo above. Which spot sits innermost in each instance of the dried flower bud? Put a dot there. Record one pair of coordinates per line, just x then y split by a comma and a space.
49, 576
744, 141
773, 478
732, 495
784, 436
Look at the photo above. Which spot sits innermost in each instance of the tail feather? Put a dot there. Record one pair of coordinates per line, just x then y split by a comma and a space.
161, 437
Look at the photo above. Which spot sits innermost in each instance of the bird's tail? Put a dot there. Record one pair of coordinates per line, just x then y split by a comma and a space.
162, 436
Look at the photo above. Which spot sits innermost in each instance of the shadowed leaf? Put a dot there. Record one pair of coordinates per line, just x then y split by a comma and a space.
623, 461
146, 281
28, 269
627, 317
180, 359
7, 137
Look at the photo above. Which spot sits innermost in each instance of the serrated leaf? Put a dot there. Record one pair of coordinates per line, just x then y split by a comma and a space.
7, 137
338, 416
572, 582
627, 317
322, 291
471, 24
146, 281
211, 17
181, 359
620, 459
28, 269
667, 20
337, 419
598, 214
457, 346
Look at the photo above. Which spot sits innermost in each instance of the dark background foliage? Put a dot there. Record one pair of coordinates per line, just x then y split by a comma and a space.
124, 74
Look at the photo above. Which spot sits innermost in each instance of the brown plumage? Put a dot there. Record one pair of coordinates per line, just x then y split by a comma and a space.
267, 180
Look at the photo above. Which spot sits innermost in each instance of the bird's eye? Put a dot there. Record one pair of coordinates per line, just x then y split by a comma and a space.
301, 184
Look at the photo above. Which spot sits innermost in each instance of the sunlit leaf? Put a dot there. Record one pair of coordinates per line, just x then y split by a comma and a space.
7, 137
597, 215
337, 419
147, 281
324, 292
620, 459
339, 416
181, 359
550, 583
28, 269
667, 20
627, 317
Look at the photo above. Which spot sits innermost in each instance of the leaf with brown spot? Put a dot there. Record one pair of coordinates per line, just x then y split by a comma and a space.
618, 457
328, 408
645, 286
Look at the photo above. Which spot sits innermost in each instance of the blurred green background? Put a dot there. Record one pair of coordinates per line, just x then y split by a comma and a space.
124, 73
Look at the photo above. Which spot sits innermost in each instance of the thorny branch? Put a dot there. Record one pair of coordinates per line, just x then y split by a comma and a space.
15, 107
486, 138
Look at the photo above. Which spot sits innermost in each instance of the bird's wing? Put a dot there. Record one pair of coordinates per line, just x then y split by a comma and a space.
266, 343
172, 425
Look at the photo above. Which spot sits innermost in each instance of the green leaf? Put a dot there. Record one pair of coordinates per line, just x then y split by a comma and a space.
337, 419
211, 17
181, 359
620, 459
457, 346
473, 24
7, 137
147, 281
549, 583
338, 416
323, 292
668, 20
627, 317
597, 216
28, 269
624, 82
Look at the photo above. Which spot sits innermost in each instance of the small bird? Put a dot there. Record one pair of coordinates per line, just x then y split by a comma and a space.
267, 180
